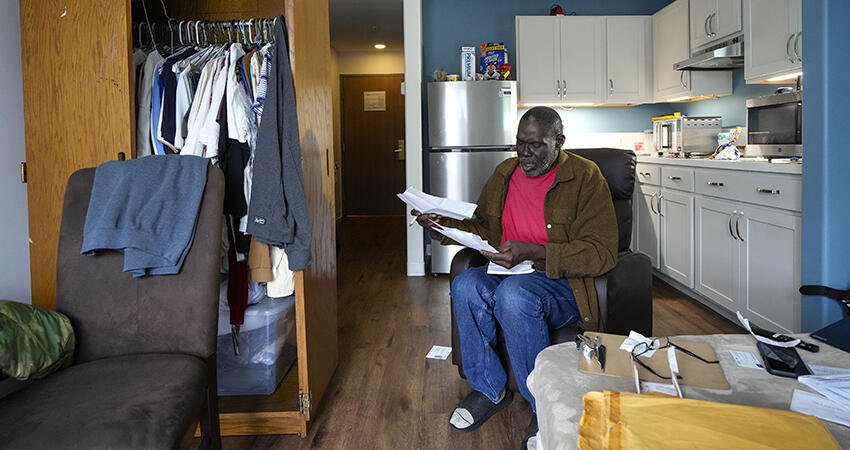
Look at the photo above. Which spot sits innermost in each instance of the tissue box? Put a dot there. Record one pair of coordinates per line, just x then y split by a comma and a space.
267, 349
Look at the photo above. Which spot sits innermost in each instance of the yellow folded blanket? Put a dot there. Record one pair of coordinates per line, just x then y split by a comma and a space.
619, 420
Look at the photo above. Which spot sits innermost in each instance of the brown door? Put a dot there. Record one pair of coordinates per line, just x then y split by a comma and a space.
372, 132
77, 110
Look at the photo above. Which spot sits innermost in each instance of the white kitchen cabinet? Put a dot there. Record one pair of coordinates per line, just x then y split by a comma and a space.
628, 59
717, 252
713, 20
664, 221
727, 235
671, 44
770, 267
677, 235
647, 222
748, 260
560, 59
772, 39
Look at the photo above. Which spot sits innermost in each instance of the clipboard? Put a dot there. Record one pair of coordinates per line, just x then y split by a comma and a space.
694, 373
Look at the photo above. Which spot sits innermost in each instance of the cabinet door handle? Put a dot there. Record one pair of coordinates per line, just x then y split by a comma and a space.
767, 191
705, 26
796, 42
558, 89
732, 233
652, 203
714, 183
610, 86
710, 26
682, 79
674, 178
645, 174
737, 229
788, 48
660, 196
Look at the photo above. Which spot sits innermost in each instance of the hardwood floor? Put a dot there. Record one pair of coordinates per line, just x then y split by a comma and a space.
385, 394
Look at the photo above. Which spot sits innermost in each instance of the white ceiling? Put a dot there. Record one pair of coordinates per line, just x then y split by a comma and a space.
357, 25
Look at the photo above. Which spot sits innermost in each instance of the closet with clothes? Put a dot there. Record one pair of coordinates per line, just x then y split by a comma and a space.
219, 80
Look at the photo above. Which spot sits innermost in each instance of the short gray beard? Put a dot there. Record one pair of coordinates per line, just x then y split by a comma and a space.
548, 164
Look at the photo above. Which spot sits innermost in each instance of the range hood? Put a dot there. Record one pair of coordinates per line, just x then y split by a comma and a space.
724, 56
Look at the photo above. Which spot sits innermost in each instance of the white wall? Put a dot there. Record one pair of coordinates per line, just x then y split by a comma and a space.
14, 234
413, 126
370, 62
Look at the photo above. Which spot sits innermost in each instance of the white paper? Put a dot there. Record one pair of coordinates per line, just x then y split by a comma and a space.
818, 369
465, 238
519, 269
439, 352
426, 203
746, 359
819, 406
649, 386
636, 338
746, 324
833, 387
674, 369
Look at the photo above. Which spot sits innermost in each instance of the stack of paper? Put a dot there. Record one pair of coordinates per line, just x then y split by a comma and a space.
833, 403
426, 203
475, 242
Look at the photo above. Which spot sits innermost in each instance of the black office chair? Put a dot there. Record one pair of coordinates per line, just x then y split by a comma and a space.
624, 292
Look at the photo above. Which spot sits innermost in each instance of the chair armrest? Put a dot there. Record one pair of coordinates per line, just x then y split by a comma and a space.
625, 295
465, 259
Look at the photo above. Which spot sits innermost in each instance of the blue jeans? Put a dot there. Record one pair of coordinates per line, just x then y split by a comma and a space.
525, 306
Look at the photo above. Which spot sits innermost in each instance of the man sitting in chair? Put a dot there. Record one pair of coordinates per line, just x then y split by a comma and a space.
549, 207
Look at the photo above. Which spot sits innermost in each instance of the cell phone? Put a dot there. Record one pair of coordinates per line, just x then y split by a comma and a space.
782, 361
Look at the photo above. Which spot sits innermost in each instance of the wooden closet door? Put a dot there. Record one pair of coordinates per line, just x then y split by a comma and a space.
78, 109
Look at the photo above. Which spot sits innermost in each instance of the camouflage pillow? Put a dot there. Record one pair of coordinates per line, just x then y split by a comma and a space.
34, 342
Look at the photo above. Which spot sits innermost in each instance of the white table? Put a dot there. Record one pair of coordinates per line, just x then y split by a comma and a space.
558, 385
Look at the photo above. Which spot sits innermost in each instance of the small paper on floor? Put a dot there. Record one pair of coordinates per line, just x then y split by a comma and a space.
746, 359
439, 352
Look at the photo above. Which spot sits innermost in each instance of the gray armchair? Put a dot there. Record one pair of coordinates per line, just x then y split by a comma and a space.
624, 292
144, 373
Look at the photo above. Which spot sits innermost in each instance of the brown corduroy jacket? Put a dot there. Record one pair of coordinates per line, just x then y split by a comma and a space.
580, 222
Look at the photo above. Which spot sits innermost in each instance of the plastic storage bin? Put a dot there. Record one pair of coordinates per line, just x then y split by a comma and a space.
267, 348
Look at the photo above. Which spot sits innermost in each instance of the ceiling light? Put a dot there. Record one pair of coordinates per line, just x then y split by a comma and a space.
380, 46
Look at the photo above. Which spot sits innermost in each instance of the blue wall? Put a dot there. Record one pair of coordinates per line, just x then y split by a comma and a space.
826, 216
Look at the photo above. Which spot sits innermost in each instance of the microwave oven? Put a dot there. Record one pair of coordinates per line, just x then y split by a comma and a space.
774, 125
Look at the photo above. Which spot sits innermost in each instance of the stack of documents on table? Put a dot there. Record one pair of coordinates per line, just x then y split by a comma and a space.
833, 403
430, 204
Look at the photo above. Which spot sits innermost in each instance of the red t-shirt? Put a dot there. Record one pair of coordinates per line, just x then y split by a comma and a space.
523, 218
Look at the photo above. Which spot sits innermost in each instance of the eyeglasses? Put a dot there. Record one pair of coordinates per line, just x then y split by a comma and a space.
643, 347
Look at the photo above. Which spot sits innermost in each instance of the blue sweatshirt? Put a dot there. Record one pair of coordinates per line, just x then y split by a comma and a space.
146, 208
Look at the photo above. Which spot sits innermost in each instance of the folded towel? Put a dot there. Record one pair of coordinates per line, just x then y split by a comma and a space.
146, 208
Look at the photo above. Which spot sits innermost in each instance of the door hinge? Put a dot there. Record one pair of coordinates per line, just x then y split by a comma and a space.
304, 401
23, 172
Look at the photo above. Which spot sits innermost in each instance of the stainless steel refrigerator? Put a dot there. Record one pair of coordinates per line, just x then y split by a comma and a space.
471, 129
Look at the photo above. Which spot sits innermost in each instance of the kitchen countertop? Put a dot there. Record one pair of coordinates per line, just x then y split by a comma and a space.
751, 166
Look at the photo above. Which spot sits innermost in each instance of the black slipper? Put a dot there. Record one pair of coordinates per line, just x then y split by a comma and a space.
530, 432
480, 408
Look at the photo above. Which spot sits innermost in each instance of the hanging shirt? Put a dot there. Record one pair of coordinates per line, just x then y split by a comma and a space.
169, 92
523, 218
186, 82
237, 121
156, 110
143, 116
200, 104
